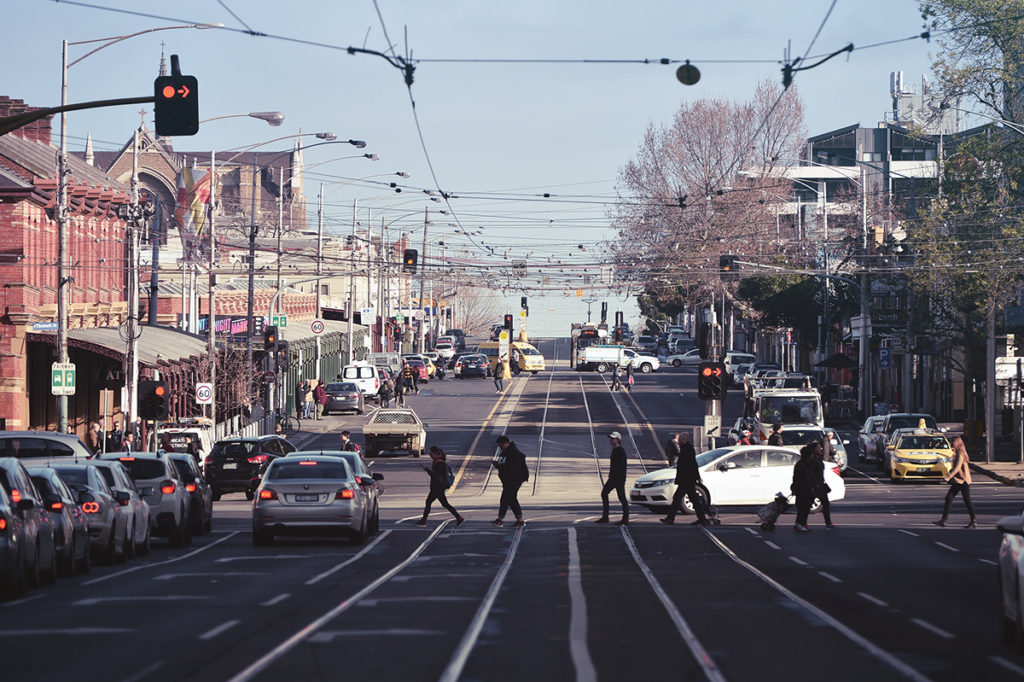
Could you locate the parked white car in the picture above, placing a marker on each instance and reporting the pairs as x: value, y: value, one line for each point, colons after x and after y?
x: 737, y: 475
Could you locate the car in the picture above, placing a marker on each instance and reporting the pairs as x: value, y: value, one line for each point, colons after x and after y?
x: 365, y: 376
x: 1011, y: 572
x: 898, y: 420
x: 445, y: 348
x: 918, y: 454
x: 344, y: 396
x: 428, y: 364
x: 120, y: 481
x: 317, y: 494
x: 751, y: 369
x: 471, y: 365
x: 645, y: 363
x: 201, y: 433
x: 161, y: 486
x: 394, y: 429
x: 460, y: 339
x: 40, y: 531
x: 647, y: 343
x: 420, y: 367
x: 690, y: 358
x: 866, y: 442
x: 108, y: 524
x: 735, y: 357
x: 369, y: 482
x: 455, y: 358
x: 798, y: 435
x: 70, y: 524
x: 200, y: 511
x: 734, y: 476
x: 43, y: 446
x: 14, y: 537
x: 681, y: 345
x: 237, y: 464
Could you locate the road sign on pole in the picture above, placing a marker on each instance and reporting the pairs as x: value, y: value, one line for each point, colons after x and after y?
x: 279, y: 321
x: 204, y: 394
x: 316, y: 326
x: 62, y: 378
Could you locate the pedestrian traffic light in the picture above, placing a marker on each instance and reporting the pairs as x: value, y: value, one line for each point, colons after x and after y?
x: 727, y: 268
x: 409, y: 257
x: 176, y: 106
x: 269, y: 337
x: 711, y: 381
x: 508, y: 322
x: 153, y: 396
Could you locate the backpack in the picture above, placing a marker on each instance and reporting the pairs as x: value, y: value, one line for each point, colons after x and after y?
x: 449, y: 479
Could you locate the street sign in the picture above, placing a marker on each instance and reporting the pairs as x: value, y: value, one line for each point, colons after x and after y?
x: 369, y: 312
x: 269, y: 377
x: 279, y: 321
x: 400, y: 318
x: 62, y: 378
x: 712, y: 424
x: 884, y: 358
x: 860, y: 326
x: 503, y: 338
x: 1006, y: 368
x: 204, y: 394
x: 418, y: 314
x: 316, y: 326
x: 45, y: 326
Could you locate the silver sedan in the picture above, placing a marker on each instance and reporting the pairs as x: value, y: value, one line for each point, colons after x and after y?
x: 316, y: 495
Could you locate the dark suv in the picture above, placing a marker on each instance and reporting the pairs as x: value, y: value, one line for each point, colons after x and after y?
x: 237, y: 464
x: 899, y: 420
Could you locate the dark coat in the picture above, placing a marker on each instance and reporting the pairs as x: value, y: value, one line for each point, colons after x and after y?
x: 672, y: 451
x: 805, y: 477
x: 438, y: 475
x: 686, y: 466
x: 320, y: 394
x: 617, y: 465
x: 513, y: 469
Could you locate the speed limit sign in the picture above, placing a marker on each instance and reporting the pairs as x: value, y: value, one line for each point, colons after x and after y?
x: 317, y: 326
x: 204, y: 394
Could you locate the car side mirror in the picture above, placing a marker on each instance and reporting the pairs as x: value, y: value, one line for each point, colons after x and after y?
x: 723, y: 467
x: 890, y: 447
x: 26, y: 504
x: 1012, y: 525
x: 378, y: 477
x: 122, y: 497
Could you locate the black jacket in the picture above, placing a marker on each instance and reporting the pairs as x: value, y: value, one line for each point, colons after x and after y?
x: 672, y: 450
x: 438, y: 476
x: 617, y: 466
x: 804, y: 477
x: 686, y: 467
x: 513, y: 469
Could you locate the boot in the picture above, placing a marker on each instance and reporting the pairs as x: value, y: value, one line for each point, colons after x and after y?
x: 603, y: 519
x: 972, y: 524
x: 941, y: 523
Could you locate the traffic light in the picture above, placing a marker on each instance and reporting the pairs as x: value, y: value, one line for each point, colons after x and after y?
x: 153, y: 396
x: 176, y: 108
x: 409, y: 257
x: 522, y: 303
x: 711, y: 381
x: 269, y: 337
x: 704, y: 340
x: 508, y: 322
x: 604, y: 311
x: 727, y: 268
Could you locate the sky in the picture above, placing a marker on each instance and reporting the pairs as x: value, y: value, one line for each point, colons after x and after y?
x: 496, y: 136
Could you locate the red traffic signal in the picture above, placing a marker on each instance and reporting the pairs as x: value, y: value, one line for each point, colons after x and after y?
x: 711, y: 378
x: 153, y: 400
x: 176, y: 103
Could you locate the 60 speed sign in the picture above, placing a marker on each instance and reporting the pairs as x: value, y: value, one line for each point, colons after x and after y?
x: 317, y: 326
x: 204, y: 394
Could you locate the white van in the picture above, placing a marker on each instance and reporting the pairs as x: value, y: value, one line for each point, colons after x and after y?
x: 364, y: 375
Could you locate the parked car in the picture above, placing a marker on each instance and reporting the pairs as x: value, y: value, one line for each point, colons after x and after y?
x: 70, y: 524
x: 107, y: 519
x: 471, y: 365
x: 120, y: 481
x: 735, y: 475
x: 40, y: 530
x: 317, y: 495
x: 344, y: 396
x: 237, y: 464
x: 163, y: 490
x: 200, y: 511
x: 43, y: 446
x: 866, y: 438
x: 369, y: 482
x: 690, y: 358
x: 1011, y: 572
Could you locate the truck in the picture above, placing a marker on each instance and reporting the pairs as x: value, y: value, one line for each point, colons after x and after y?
x: 600, y: 358
x: 582, y: 336
x: 767, y: 406
x: 394, y: 429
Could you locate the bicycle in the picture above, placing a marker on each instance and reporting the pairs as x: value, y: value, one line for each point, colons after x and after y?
x: 286, y: 425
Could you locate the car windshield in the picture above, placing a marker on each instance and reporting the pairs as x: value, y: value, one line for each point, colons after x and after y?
x: 529, y: 351
x: 142, y: 469
x: 912, y: 421
x: 182, y: 467
x: 74, y: 475
x: 282, y: 470
x: 359, y: 372
x: 343, y: 386
x: 242, y: 447
x: 107, y: 474
x: 801, y: 436
x: 789, y: 409
x: 711, y: 455
x: 923, y: 443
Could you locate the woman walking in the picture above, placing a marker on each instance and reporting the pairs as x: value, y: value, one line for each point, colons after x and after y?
x: 804, y: 480
x: 821, y: 489
x: 438, y: 472
x: 959, y: 479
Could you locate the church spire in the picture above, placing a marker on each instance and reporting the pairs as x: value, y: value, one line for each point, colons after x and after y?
x: 90, y: 157
x: 163, y: 61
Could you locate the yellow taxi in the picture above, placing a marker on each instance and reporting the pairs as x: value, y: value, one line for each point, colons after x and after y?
x: 918, y: 454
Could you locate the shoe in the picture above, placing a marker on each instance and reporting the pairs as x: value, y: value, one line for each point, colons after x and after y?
x: 459, y: 521
x: 520, y: 523
x: 700, y: 522
x: 667, y: 521
x: 830, y: 526
x: 421, y: 522
x: 622, y: 522
x: 801, y: 529
x: 603, y: 519
x: 498, y: 522
x: 972, y: 524
x: 941, y: 523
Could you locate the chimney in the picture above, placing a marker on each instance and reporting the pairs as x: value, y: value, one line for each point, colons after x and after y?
x: 38, y: 130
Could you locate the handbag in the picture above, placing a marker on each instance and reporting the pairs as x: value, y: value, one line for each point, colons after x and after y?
x: 630, y: 381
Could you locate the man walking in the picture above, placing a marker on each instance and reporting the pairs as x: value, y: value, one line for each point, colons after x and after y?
x: 616, y: 480
x: 300, y: 398
x: 347, y: 445
x: 687, y: 477
x: 672, y: 448
x: 513, y: 472
x: 319, y: 399
x: 499, y: 375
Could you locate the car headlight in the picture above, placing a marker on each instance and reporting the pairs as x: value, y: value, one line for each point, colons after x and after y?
x: 664, y: 481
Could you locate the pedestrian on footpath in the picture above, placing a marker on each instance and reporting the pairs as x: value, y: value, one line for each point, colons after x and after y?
x: 821, y: 489
x: 959, y: 479
x: 804, y: 482
x: 439, y: 484
x: 499, y: 374
x: 687, y: 478
x: 512, y: 472
x: 616, y: 480
x: 128, y: 443
x: 776, y: 437
x: 320, y: 398
x: 94, y: 439
x: 307, y: 400
x: 672, y: 448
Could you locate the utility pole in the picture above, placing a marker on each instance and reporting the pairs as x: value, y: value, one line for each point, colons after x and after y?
x: 63, y: 267
x: 250, y: 327
x: 423, y: 281
x: 132, y: 368
x: 211, y: 342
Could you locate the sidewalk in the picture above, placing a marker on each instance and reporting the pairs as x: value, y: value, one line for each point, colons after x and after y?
x: 1004, y: 466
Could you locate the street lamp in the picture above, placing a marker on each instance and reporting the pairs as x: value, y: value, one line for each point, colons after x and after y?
x: 63, y: 266
x: 274, y: 118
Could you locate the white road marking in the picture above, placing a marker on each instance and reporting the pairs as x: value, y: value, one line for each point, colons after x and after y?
x: 943, y: 545
x: 1012, y: 667
x: 540, y: 438
x: 907, y: 532
x: 434, y: 576
x: 874, y: 600
x: 707, y: 663
x: 145, y: 672
x: 172, y: 576
x: 850, y: 634
x: 989, y: 562
x: 453, y: 671
x: 280, y: 557
x: 163, y: 563
x: 325, y: 636
x: 751, y: 531
x: 315, y: 579
x: 772, y: 544
x: 24, y: 600
x: 581, y: 660
x: 64, y: 631
x: 829, y: 576
x: 403, y: 600
x: 226, y: 625
x: 92, y: 601
x: 797, y: 561
x: 931, y: 628
x: 276, y: 600
x: 585, y: 518
x: 261, y: 664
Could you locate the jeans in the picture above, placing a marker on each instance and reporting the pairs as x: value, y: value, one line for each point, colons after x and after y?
x: 965, y: 492
x: 620, y: 488
x: 510, y: 499
x: 440, y: 496
x: 498, y: 383
x: 307, y: 410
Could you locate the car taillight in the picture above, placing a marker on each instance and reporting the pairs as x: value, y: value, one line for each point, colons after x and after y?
x: 3, y: 524
x: 208, y: 462
x: 258, y: 459
x: 91, y: 507
x: 268, y: 494
x: 167, y: 487
x: 345, y: 494
x: 191, y: 487
x: 56, y: 506
x: 15, y: 495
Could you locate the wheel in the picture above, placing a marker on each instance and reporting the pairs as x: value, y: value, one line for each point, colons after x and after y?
x: 129, y: 544
x: 83, y: 565
x: 677, y: 363
x: 215, y: 494
x: 262, y: 538
x: 196, y: 521
x: 32, y: 572
x: 601, y: 368
x: 49, y: 576
x: 688, y: 503
x: 144, y: 548
x: 359, y: 412
x: 289, y: 426
x: 646, y: 368
x: 177, y: 538
x: 208, y: 524
x: 532, y: 372
x: 359, y: 537
x: 250, y: 494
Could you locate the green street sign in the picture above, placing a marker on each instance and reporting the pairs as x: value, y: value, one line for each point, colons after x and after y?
x: 62, y: 378
x: 279, y: 321
x: 400, y: 318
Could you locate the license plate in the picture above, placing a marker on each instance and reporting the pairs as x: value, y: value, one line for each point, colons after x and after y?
x: 923, y: 470
x: 307, y: 498
x: 230, y: 465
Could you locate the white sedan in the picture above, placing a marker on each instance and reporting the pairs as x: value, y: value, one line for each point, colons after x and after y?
x: 690, y: 358
x: 734, y: 476
x: 1011, y: 570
